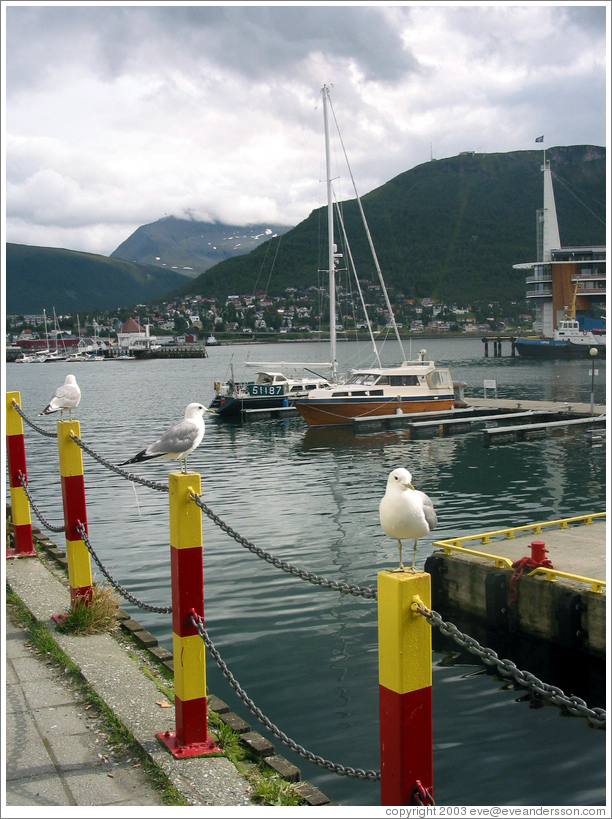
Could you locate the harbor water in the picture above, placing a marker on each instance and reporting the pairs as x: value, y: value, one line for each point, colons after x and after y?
x: 305, y: 655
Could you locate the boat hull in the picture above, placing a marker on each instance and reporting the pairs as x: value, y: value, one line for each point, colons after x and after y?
x: 551, y: 348
x: 232, y: 407
x: 330, y: 412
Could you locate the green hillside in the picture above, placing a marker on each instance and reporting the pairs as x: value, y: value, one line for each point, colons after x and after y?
x: 47, y: 277
x: 450, y: 229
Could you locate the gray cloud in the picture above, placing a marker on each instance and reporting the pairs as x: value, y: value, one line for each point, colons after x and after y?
x: 117, y: 114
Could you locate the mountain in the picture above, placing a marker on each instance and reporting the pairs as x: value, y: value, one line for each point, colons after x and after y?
x: 69, y: 280
x: 191, y: 247
x: 449, y: 229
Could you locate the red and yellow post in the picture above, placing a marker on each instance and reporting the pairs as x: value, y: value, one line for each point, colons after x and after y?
x: 73, y: 496
x: 187, y: 575
x: 16, y: 462
x: 404, y: 659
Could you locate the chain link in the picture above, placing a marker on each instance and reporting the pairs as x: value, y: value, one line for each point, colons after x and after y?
x: 335, y: 585
x: 37, y: 512
x: 574, y: 704
x: 160, y: 487
x: 122, y: 591
x: 42, y: 431
x: 341, y: 770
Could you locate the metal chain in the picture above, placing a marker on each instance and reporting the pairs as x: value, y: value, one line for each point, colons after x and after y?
x: 123, y: 592
x: 160, y: 487
x: 335, y: 585
x: 341, y: 770
x: 42, y: 431
x: 44, y: 522
x: 574, y: 704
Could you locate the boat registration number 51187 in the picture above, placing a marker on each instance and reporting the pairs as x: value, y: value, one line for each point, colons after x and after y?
x: 266, y: 389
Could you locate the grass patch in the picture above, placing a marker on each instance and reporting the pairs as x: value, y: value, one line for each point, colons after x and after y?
x: 95, y: 617
x: 271, y: 789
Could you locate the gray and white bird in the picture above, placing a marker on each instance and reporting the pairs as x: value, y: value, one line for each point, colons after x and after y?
x: 65, y: 398
x: 405, y: 512
x: 179, y: 441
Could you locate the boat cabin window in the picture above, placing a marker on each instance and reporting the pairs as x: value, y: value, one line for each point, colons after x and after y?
x: 404, y: 380
x: 382, y: 381
x: 440, y: 378
x: 362, y: 378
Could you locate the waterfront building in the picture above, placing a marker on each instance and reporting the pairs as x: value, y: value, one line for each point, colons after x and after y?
x: 563, y: 282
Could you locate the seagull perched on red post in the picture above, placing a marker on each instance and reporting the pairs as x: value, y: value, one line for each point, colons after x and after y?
x: 405, y: 512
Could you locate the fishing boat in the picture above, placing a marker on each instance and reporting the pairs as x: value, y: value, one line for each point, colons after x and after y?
x: 410, y: 387
x: 269, y: 390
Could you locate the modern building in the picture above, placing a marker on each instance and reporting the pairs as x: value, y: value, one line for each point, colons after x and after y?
x: 564, y: 282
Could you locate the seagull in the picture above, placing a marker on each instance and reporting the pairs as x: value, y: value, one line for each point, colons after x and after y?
x: 179, y: 441
x: 65, y: 398
x: 405, y: 512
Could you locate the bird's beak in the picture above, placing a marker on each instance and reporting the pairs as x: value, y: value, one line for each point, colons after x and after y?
x: 212, y: 411
x: 410, y: 486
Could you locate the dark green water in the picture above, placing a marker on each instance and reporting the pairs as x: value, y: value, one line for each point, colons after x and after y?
x: 307, y: 656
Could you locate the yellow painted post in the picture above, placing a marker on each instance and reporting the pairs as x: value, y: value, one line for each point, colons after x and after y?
x: 187, y: 575
x: 405, y: 679
x: 16, y: 462
x: 73, y: 495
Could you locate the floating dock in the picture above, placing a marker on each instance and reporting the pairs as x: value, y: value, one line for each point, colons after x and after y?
x: 563, y: 604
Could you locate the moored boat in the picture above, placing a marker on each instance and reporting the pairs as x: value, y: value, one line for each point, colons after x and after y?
x: 270, y: 390
x: 568, y: 342
x: 413, y: 386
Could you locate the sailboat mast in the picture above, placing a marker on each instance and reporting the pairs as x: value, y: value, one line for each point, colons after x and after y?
x: 331, y: 247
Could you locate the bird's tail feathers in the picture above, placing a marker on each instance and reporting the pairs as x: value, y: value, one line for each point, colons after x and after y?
x: 139, y: 458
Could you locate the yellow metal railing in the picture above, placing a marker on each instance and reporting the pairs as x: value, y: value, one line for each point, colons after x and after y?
x: 455, y: 545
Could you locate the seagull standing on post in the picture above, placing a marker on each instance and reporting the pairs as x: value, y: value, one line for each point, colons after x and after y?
x: 65, y: 398
x: 405, y: 512
x: 179, y: 441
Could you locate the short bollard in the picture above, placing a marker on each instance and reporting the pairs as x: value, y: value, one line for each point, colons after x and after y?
x: 404, y: 659
x: 16, y: 462
x: 191, y: 736
x: 73, y: 496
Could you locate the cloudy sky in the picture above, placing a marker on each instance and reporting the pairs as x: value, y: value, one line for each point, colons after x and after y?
x: 117, y: 115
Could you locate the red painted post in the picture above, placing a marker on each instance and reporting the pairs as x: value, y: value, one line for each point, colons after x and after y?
x: 16, y: 462
x: 405, y: 678
x: 73, y: 496
x: 187, y: 575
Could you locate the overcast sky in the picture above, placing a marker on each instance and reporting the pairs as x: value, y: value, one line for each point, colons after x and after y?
x: 117, y: 115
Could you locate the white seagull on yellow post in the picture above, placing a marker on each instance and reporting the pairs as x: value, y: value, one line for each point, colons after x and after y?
x: 405, y: 512
x: 65, y: 398
x: 179, y: 441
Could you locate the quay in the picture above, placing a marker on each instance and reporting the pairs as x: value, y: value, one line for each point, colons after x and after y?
x: 53, y: 756
x: 563, y: 603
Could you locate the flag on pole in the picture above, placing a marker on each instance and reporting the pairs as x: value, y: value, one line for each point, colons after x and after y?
x: 540, y: 139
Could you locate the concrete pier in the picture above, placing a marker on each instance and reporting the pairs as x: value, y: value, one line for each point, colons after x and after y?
x: 567, y: 611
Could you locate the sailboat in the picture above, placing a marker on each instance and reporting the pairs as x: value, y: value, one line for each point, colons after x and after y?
x: 411, y: 387
x: 56, y: 355
x: 40, y: 356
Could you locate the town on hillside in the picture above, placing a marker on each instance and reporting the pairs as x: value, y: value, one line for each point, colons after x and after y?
x: 298, y: 314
